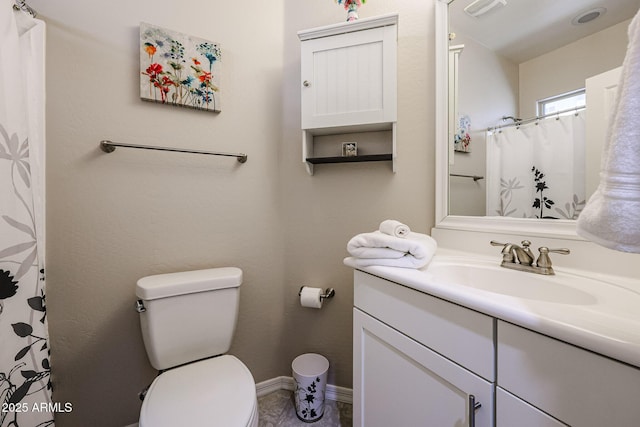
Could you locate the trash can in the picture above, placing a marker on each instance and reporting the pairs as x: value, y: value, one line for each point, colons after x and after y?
x: 310, y: 377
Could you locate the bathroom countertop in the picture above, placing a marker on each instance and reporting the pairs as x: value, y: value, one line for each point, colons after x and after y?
x: 605, y: 318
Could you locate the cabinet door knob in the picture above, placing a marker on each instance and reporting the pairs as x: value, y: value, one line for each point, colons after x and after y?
x: 306, y: 83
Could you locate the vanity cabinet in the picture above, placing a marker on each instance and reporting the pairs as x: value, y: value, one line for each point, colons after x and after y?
x: 408, y: 370
x: 571, y: 385
x: 420, y: 360
x: 348, y: 78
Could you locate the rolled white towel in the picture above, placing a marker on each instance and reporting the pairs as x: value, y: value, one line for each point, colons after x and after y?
x: 394, y: 228
x: 376, y: 248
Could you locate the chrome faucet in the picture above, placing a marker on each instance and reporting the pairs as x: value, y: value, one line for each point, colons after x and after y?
x: 520, y: 257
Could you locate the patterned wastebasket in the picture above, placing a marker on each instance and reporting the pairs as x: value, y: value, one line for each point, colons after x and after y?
x: 310, y: 377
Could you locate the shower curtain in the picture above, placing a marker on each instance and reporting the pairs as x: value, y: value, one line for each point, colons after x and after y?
x: 25, y: 387
x: 537, y: 170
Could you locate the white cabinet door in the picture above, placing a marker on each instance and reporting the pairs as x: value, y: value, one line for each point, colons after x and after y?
x: 511, y: 411
x: 349, y: 79
x: 576, y: 386
x: 399, y: 382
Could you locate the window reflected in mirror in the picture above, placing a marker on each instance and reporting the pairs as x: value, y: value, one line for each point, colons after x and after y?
x: 524, y: 141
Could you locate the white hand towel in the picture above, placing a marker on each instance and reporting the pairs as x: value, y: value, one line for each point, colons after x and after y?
x: 376, y: 248
x: 394, y: 228
x: 611, y: 218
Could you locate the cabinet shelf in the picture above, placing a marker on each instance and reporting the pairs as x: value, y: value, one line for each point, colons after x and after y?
x: 352, y: 159
x: 320, y: 152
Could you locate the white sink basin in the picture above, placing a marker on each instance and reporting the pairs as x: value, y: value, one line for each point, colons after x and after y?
x: 560, y: 288
x: 597, y: 295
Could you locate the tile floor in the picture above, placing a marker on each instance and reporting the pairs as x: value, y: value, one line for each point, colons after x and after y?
x: 278, y: 410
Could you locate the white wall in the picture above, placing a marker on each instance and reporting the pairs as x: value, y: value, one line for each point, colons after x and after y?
x: 118, y: 217
x: 488, y: 87
x: 565, y: 69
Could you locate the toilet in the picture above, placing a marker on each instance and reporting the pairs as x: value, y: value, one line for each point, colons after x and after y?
x: 188, y: 320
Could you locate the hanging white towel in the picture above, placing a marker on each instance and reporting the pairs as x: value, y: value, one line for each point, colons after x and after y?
x: 611, y: 218
x: 394, y: 228
x: 376, y: 248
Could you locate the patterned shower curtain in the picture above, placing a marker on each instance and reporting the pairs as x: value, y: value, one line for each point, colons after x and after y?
x: 537, y: 170
x: 25, y: 387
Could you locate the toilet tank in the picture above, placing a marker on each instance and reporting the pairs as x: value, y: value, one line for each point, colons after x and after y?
x: 189, y: 315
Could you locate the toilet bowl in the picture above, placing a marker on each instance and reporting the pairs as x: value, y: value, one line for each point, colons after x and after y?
x: 213, y: 392
x: 188, y: 320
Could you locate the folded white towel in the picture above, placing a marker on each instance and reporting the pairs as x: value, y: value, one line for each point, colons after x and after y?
x: 394, y: 228
x: 376, y: 248
x: 611, y: 218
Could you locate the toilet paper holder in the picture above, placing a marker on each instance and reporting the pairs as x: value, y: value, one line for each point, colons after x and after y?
x: 328, y: 293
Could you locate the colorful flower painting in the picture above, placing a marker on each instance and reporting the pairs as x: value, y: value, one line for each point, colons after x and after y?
x: 462, y: 138
x: 178, y: 69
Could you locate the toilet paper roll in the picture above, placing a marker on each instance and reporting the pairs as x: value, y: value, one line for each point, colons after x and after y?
x: 310, y: 297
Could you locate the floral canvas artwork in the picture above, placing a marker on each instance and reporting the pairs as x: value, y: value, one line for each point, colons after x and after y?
x: 462, y: 138
x: 178, y: 69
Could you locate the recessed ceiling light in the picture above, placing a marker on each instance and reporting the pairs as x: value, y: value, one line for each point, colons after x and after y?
x: 588, y: 16
x: 480, y: 7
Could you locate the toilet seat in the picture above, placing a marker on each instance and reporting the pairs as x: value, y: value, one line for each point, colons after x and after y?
x: 214, y: 392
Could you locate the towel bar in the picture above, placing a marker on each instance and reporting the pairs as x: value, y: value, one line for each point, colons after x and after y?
x: 474, y: 177
x: 110, y: 146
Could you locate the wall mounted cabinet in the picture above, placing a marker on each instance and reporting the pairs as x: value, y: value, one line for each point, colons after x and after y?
x: 349, y: 85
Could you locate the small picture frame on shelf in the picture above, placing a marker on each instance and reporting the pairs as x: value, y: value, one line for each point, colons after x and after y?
x: 349, y: 149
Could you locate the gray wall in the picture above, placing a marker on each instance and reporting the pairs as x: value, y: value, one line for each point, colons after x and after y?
x: 115, y: 218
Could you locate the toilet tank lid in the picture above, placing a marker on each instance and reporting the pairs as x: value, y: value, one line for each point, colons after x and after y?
x: 187, y: 282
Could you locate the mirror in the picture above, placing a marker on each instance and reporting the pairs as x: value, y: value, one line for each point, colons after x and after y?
x: 507, y: 159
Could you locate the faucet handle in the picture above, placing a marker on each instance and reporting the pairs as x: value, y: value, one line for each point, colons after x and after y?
x: 563, y: 251
x: 507, y: 256
x: 525, y: 243
x: 544, y: 261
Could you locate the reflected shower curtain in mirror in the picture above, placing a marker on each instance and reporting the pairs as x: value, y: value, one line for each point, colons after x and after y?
x: 25, y: 387
x: 537, y: 170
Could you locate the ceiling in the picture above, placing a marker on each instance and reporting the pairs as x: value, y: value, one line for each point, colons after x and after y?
x: 525, y: 29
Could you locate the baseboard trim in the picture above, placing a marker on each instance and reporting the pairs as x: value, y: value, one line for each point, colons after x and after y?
x: 333, y: 392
